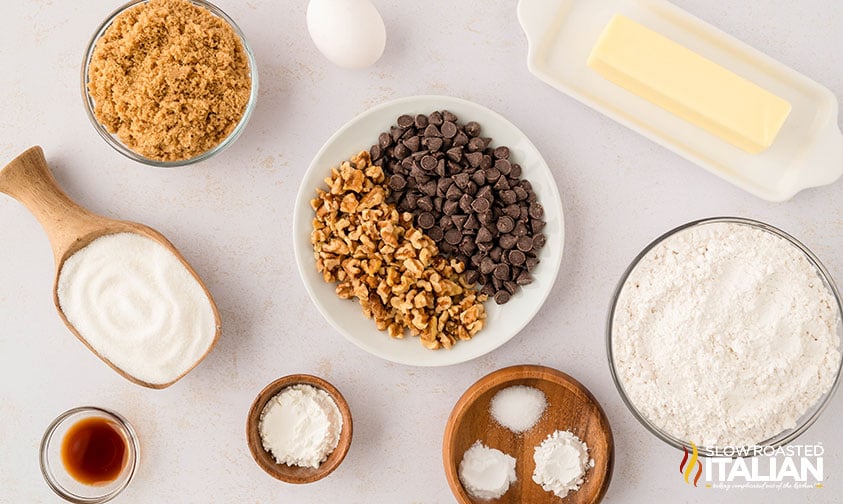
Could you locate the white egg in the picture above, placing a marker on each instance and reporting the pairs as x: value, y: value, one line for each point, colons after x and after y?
x: 350, y: 33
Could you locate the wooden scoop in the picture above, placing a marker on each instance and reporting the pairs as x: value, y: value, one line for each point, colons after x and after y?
x: 71, y: 227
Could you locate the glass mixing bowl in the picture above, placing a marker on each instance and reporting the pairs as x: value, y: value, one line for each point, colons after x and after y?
x: 112, y: 139
x: 779, y: 439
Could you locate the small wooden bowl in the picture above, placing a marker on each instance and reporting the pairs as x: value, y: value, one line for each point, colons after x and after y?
x: 570, y: 406
x: 284, y: 472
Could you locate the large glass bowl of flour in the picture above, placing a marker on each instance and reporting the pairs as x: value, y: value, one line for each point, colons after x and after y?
x: 725, y: 333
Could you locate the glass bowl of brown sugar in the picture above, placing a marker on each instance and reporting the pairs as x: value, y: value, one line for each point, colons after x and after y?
x: 169, y: 82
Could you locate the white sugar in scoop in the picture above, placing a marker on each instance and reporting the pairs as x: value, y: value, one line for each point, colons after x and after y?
x: 518, y: 408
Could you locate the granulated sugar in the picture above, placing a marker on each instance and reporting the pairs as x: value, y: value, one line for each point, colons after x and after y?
x: 518, y: 408
x: 725, y: 335
x: 137, y: 305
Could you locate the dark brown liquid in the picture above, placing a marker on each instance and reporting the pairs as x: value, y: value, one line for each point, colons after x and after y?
x: 93, y: 451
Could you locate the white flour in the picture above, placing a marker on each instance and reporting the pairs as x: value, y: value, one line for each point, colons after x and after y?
x: 725, y: 335
x: 301, y: 426
x: 561, y: 462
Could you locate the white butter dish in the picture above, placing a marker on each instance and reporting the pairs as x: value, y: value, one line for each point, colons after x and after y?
x: 807, y: 152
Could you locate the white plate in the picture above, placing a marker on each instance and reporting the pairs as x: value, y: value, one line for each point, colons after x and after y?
x: 503, y: 322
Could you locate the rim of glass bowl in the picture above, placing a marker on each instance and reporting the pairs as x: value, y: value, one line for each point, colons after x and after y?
x: 115, y: 142
x: 46, y: 468
x: 779, y: 439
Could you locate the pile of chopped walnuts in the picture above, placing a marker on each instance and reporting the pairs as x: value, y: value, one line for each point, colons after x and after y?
x: 394, y: 270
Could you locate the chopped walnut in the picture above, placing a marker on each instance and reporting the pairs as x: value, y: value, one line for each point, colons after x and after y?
x: 395, y: 271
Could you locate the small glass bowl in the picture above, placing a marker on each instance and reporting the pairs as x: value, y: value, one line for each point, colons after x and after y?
x: 779, y: 439
x: 112, y: 139
x: 54, y: 472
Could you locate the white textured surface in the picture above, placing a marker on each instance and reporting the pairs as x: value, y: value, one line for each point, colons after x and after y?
x: 231, y: 218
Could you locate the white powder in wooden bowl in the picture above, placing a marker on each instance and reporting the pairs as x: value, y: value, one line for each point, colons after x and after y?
x: 301, y: 426
x: 138, y: 306
x: 486, y: 473
x: 518, y: 408
x: 561, y: 462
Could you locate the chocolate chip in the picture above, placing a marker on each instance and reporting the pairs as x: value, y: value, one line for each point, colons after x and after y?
x: 433, y: 143
x: 516, y: 257
x: 484, y: 235
x: 453, y: 236
x: 539, y: 241
x: 429, y: 188
x: 413, y: 143
x: 524, y: 278
x: 432, y: 131
x: 447, y: 115
x: 478, y: 177
x: 397, y: 182
x: 405, y: 121
x: 532, y: 262
x: 503, y: 166
x: 502, y: 297
x: 461, y: 180
x: 459, y: 220
x: 467, y: 246
x: 401, y: 151
x: 428, y: 162
x: 475, y: 145
x: 502, y: 152
x: 496, y: 254
x: 536, y: 210
x: 505, y: 224
x: 421, y: 122
x: 453, y: 193
x: 474, y: 159
x: 426, y: 220
x: 435, y: 118
x: 460, y: 139
x: 520, y: 229
x: 472, y: 128
x: 508, y: 241
x: 511, y: 287
x: 465, y: 202
x: 472, y: 223
x: 501, y: 271
x: 471, y: 276
x: 454, y: 154
x: 425, y: 203
x: 436, y: 234
x: 487, y: 266
x: 525, y: 244
x: 480, y: 205
x: 450, y: 206
x: 488, y: 290
x: 384, y: 140
x: 516, y: 171
x: 449, y: 129
x: 492, y: 174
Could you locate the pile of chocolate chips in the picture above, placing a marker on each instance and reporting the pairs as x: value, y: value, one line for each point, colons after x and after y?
x: 465, y: 195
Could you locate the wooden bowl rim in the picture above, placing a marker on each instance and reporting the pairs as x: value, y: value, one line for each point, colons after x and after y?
x: 501, y: 377
x: 284, y: 472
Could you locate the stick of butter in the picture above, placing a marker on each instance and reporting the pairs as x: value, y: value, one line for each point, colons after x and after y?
x: 688, y: 85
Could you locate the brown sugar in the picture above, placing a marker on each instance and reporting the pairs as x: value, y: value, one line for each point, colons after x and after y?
x: 170, y: 79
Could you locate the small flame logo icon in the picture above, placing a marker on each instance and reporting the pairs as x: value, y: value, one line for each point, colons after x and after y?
x: 686, y: 470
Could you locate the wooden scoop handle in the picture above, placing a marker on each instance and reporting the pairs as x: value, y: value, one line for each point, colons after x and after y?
x: 28, y: 179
